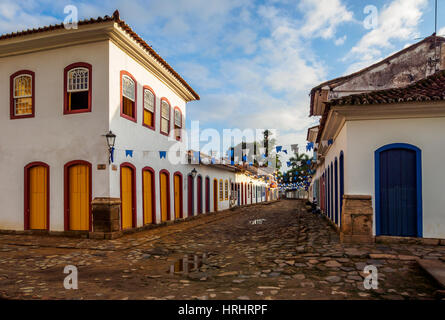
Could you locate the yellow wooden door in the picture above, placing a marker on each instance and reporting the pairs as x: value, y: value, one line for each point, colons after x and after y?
x: 127, y: 198
x: 164, y: 197
x: 177, y: 197
x: 148, y: 197
x: 79, y: 197
x: 38, y: 196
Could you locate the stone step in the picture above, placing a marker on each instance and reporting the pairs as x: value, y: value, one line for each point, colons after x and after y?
x: 435, y: 269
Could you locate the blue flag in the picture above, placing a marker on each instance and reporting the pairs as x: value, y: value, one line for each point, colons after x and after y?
x: 112, y: 154
x: 285, y: 151
x: 129, y: 153
x: 278, y: 148
x: 162, y: 154
x: 330, y: 141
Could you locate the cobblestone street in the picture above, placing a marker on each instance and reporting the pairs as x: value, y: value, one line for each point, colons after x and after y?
x: 266, y: 251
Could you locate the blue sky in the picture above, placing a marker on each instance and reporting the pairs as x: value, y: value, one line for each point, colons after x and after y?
x: 253, y: 62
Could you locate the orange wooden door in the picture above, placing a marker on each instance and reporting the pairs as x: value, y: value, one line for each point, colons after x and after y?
x: 127, y: 198
x: 38, y: 198
x: 79, y: 197
x: 215, y: 195
x: 164, y: 197
x: 177, y: 197
x: 148, y: 196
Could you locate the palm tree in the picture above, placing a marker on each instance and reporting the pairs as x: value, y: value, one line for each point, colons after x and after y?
x: 299, y: 167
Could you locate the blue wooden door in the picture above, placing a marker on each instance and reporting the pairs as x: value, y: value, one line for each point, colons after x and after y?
x: 398, y: 192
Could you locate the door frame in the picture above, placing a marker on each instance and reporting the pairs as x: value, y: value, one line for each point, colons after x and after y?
x: 67, y: 193
x: 190, y: 195
x: 153, y: 195
x: 199, y: 194
x: 169, y: 218
x: 215, y: 195
x: 207, y: 186
x: 342, y: 181
x: 27, y: 212
x: 133, y: 191
x: 181, y: 209
x: 418, y: 183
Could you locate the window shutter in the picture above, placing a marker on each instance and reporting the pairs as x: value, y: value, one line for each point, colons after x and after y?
x: 165, y: 110
x: 149, y: 100
x: 178, y: 120
x: 78, y: 80
x: 23, y: 86
x: 128, y: 87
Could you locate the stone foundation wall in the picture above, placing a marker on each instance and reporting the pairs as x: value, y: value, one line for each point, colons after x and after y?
x: 357, y: 219
x: 106, y: 218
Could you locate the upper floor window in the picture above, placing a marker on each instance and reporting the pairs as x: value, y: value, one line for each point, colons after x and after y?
x: 178, y: 123
x: 165, y: 116
x: 149, y: 108
x: 77, y: 86
x: 22, y: 94
x: 128, y: 96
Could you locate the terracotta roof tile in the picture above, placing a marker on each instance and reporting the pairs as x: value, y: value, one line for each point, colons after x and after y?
x: 115, y: 17
x: 337, y: 81
x: 431, y: 88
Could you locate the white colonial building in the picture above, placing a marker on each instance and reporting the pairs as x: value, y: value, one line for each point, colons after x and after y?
x: 379, y: 152
x: 62, y: 91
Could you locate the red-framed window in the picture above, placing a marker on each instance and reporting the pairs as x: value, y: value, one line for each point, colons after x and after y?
x: 77, y: 88
x: 178, y: 123
x: 128, y: 96
x: 22, y: 94
x: 165, y: 116
x: 149, y: 109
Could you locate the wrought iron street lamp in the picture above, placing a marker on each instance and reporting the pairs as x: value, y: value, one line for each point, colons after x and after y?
x: 111, y: 138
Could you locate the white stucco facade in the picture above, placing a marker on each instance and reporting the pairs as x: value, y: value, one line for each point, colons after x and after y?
x: 56, y: 139
x: 359, y: 139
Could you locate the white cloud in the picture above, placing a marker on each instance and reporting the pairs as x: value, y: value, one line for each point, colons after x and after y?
x: 340, y: 41
x: 397, y: 21
x: 322, y: 17
x: 18, y: 17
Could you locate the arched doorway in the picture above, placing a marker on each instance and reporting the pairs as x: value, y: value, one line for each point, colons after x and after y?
x: 242, y: 193
x: 336, y: 190
x: 190, y: 195
x: 207, y: 194
x: 78, y: 195
x: 215, y: 195
x: 37, y: 196
x: 148, y: 195
x: 398, y: 194
x: 164, y: 177
x: 178, y: 195
x: 128, y: 196
x: 342, y: 181
x: 199, y: 181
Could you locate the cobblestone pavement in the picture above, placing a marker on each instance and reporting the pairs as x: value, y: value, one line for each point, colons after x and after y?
x: 266, y: 251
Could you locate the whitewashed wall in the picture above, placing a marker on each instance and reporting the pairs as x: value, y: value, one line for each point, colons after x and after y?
x: 364, y: 137
x: 50, y: 136
x: 134, y: 136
